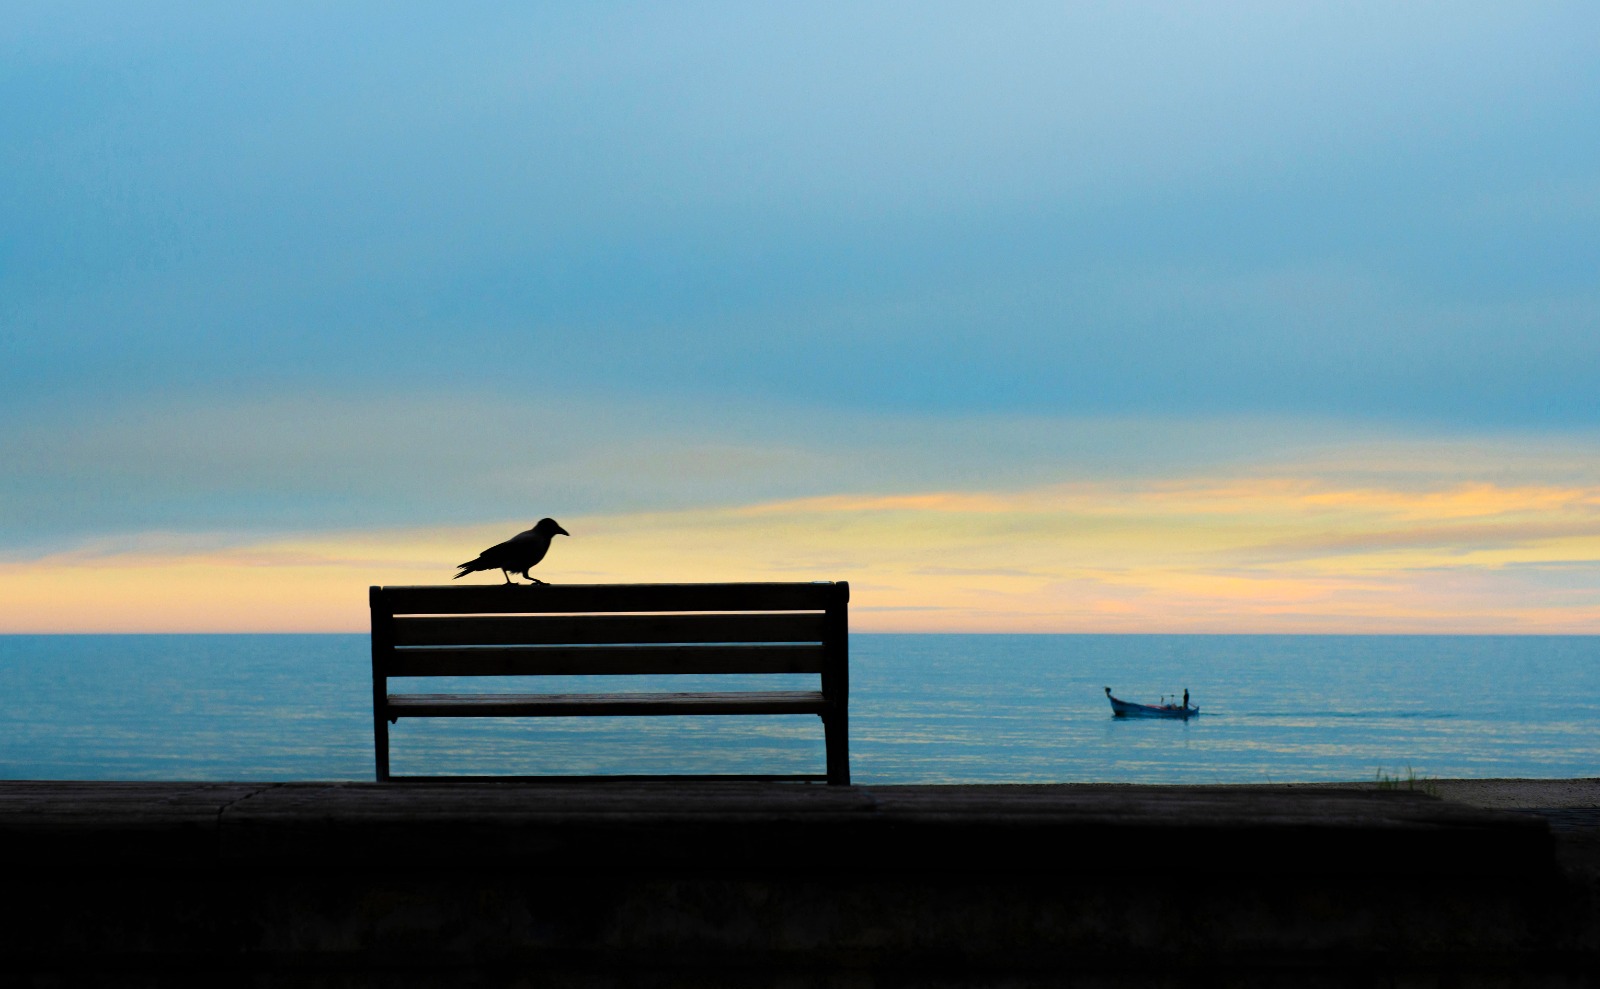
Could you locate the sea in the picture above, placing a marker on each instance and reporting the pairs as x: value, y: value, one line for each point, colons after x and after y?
x: 923, y: 709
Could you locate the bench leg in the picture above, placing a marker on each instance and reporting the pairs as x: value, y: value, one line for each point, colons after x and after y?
x: 380, y: 732
x: 836, y: 735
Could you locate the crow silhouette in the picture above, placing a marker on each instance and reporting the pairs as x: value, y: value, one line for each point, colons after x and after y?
x: 517, y: 554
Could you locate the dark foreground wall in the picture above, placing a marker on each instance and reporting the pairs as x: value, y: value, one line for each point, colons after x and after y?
x: 778, y: 885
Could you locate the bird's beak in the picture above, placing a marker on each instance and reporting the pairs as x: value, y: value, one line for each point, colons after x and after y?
x: 561, y: 532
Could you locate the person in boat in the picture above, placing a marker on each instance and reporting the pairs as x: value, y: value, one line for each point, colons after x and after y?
x: 1186, y: 698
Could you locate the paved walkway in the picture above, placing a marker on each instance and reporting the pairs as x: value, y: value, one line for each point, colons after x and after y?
x: 599, y: 885
x: 1501, y: 794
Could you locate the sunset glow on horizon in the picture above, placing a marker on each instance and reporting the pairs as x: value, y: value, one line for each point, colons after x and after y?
x: 1230, y: 555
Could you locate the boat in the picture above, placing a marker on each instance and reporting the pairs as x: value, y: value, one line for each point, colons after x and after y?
x: 1128, y: 709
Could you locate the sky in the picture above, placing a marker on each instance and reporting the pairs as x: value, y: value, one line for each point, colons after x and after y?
x: 1036, y: 317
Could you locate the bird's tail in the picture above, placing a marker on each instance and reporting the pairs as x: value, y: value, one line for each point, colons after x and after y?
x: 466, y: 568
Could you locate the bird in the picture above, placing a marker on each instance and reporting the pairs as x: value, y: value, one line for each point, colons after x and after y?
x: 517, y: 554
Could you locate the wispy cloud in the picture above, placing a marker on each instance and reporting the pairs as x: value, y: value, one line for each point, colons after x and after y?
x: 1198, y: 555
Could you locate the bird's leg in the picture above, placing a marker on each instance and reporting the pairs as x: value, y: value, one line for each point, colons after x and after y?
x: 506, y: 574
x: 530, y: 578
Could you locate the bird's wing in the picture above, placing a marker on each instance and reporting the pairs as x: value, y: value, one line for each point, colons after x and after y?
x: 531, y: 547
x: 520, y: 551
x: 487, y: 558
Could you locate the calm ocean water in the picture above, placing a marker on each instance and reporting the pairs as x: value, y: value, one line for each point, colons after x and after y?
x: 924, y: 709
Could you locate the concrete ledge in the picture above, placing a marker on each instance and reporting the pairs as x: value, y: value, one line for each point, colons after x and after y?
x: 753, y: 884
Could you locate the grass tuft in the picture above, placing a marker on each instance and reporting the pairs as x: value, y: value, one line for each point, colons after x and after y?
x: 1410, y: 782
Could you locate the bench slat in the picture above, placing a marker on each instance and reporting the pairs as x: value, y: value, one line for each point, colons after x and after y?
x: 563, y: 705
x: 505, y: 630
x: 584, y: 660
x: 559, y: 598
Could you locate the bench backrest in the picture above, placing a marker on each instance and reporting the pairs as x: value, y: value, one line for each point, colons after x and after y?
x: 584, y: 629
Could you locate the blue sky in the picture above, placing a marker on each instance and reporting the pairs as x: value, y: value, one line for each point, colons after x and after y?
x: 289, y: 268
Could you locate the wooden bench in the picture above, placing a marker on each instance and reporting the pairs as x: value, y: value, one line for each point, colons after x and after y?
x: 583, y: 629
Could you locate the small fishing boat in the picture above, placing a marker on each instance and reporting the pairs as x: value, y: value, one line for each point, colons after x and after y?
x: 1128, y: 709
